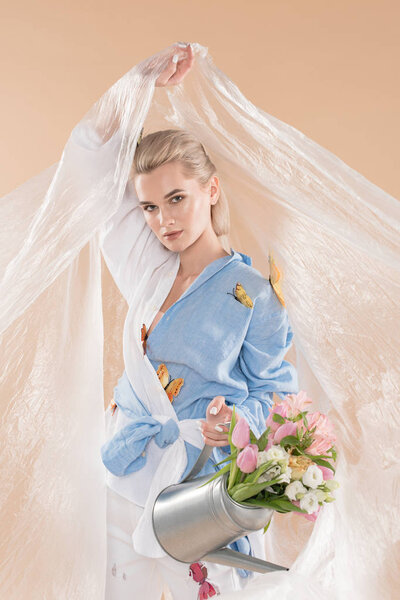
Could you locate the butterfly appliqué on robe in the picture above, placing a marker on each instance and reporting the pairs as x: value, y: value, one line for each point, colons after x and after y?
x: 239, y: 293
x: 113, y: 406
x: 199, y: 572
x: 172, y: 387
x: 275, y: 278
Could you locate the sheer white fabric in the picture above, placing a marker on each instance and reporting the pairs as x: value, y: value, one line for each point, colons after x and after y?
x: 335, y: 237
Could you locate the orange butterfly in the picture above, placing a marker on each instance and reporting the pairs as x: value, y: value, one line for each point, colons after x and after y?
x: 113, y: 406
x: 275, y: 278
x: 172, y: 387
x: 143, y: 336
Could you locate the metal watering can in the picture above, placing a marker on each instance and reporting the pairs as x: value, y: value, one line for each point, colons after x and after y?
x: 193, y: 523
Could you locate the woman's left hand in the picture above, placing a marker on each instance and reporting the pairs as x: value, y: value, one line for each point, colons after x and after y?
x: 213, y: 430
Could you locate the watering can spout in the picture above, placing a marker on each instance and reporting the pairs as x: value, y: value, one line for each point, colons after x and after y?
x: 231, y: 558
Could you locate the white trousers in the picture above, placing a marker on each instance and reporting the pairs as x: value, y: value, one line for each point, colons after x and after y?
x: 131, y: 576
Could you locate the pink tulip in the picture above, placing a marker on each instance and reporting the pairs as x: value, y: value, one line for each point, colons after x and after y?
x: 241, y: 433
x: 247, y: 458
x: 326, y: 472
x: 288, y: 428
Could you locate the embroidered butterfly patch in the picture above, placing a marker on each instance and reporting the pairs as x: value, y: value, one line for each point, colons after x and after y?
x: 239, y: 293
x: 173, y: 386
x: 275, y: 278
x: 199, y: 572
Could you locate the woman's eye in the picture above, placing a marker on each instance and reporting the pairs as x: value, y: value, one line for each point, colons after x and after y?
x: 151, y: 206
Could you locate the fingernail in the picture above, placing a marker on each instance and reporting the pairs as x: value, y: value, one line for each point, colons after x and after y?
x: 182, y: 44
x: 218, y: 428
x: 175, y: 58
x: 214, y: 410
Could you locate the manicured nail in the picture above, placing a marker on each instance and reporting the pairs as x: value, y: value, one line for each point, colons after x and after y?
x: 182, y: 44
x: 214, y: 410
x: 218, y: 428
x: 175, y: 58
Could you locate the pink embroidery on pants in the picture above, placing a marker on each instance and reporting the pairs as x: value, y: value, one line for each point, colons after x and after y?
x: 199, y: 573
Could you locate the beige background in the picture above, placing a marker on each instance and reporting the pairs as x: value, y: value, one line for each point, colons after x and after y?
x: 330, y: 69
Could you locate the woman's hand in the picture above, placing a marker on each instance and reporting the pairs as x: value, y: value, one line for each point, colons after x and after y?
x: 213, y: 430
x: 176, y: 71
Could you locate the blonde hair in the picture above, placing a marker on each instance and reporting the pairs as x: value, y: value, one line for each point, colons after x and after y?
x: 167, y: 145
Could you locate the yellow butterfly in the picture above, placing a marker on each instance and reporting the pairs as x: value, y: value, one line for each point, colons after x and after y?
x: 239, y: 293
x: 275, y: 278
x: 172, y: 387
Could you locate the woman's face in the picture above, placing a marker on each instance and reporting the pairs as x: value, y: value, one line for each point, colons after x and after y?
x: 171, y: 202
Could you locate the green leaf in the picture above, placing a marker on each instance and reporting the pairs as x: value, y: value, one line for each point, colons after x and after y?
x: 267, y: 525
x: 292, y: 440
x: 249, y: 489
x: 297, y: 418
x: 263, y: 440
x: 217, y: 474
x: 228, y: 458
x: 280, y: 504
x: 252, y: 477
x: 233, y: 465
x: 321, y: 462
x: 253, y: 438
x: 278, y: 418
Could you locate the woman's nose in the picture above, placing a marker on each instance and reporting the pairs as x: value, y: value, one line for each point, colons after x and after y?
x: 165, y: 219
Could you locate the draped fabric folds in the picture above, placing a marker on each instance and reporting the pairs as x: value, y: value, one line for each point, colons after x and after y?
x: 335, y: 238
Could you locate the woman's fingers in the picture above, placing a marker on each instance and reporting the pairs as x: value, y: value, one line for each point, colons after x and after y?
x: 210, y: 442
x: 176, y: 71
x: 211, y: 434
x: 183, y: 65
x: 214, y: 407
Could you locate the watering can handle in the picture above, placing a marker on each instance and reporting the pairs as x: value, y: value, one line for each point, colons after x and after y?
x: 200, y: 462
x: 201, y: 459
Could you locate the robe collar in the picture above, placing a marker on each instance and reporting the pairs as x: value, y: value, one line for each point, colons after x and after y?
x: 212, y: 268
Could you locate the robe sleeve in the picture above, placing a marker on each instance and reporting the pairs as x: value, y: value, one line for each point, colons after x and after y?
x: 261, y: 359
x: 128, y: 245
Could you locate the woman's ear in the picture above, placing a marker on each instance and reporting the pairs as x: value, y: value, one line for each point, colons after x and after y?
x: 214, y: 189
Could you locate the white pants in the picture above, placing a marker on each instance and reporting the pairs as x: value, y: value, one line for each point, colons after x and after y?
x: 131, y: 576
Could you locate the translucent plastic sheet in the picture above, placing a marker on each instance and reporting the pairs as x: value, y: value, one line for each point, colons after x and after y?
x: 334, y: 236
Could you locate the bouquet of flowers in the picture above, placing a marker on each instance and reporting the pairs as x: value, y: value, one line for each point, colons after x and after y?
x: 290, y: 466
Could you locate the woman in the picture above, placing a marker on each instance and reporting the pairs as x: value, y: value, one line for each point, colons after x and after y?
x: 215, y: 336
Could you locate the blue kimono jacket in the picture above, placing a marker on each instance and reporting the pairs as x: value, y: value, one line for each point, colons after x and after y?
x: 218, y: 346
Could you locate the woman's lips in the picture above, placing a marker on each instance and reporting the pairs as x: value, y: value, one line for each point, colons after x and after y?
x: 173, y: 236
